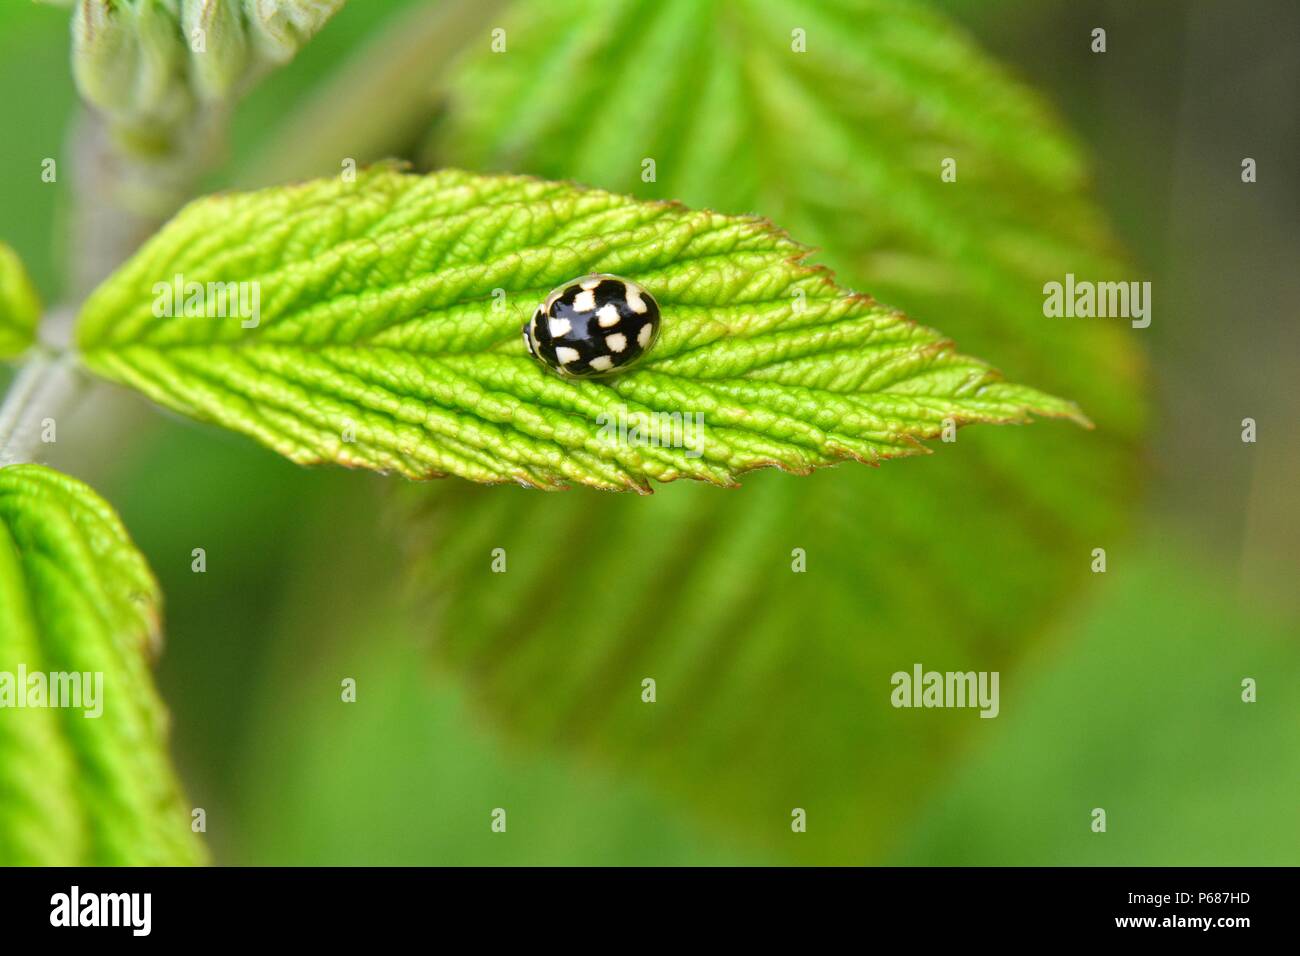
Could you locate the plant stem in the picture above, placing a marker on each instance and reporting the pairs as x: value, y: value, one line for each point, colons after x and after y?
x: 122, y: 197
x: 119, y: 200
x: 47, y: 386
x: 380, y: 100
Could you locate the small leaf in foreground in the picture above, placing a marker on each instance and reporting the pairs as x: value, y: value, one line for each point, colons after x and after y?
x: 376, y: 324
x: 20, y: 305
x: 88, y: 784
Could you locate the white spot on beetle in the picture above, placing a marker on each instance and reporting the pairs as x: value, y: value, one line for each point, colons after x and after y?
x: 560, y: 328
x: 607, y: 315
x: 602, y: 363
x: 616, y: 342
x: 634, y: 301
x: 566, y: 355
x: 643, y: 337
x: 585, y: 301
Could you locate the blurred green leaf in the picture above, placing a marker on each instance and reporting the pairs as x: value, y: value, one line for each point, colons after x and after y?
x: 150, y: 64
x: 76, y: 787
x: 1139, y: 711
x: 773, y: 685
x: 218, y: 73
x: 408, y: 775
x: 20, y: 305
x: 129, y: 61
x: 385, y: 340
x: 279, y: 28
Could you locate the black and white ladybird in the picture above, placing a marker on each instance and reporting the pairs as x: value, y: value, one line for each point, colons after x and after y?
x: 593, y: 326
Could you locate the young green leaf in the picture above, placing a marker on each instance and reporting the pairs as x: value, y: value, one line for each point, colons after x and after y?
x: 20, y: 305
x: 89, y: 782
x: 376, y: 324
x: 148, y: 64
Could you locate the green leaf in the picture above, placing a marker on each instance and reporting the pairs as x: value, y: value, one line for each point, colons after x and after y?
x: 20, y: 305
x: 773, y: 685
x: 380, y: 321
x: 77, y: 598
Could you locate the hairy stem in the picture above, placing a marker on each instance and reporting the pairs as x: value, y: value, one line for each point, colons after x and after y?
x: 123, y: 196
x: 47, y: 386
x: 120, y: 200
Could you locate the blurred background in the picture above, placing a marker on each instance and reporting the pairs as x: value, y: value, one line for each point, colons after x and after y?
x: 1119, y: 690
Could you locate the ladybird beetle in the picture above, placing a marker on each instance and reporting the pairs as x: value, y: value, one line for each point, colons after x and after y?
x: 593, y: 326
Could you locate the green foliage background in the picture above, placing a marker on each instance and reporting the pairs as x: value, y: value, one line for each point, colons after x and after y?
x: 1118, y: 691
